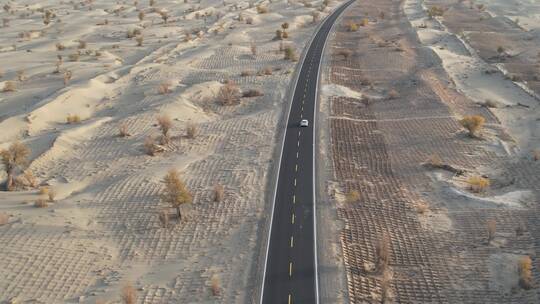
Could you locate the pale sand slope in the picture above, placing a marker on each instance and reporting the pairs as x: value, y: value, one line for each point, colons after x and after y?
x: 104, y: 230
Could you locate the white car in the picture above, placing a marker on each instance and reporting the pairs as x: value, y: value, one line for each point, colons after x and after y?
x: 304, y: 123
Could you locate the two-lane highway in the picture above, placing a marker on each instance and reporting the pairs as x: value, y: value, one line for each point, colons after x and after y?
x: 290, y: 274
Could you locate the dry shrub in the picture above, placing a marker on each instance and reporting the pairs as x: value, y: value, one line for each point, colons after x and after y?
x: 150, y: 146
x: 536, y: 155
x: 262, y: 9
x: 129, y: 294
x: 422, y: 208
x: 229, y: 94
x: 473, y: 124
x: 219, y: 193
x: 82, y: 44
x: 123, y: 130
x: 279, y: 35
x: 352, y: 27
x: 435, y: 161
x: 478, y: 184
x: 491, y: 229
x: 176, y: 192
x: 249, y: 20
x: 253, y: 48
x: 60, y: 46
x: 13, y: 158
x: 290, y: 54
x: 139, y: 40
x: 393, y: 94
x: 353, y: 196
x: 382, y: 252
x: 435, y: 11
x: 246, y: 73
x: 51, y: 195
x: 345, y: 53
x: 316, y: 16
x: 284, y: 35
x: 20, y: 75
x: 74, y: 57
x: 165, y: 125
x: 215, y: 286
x: 364, y: 22
x: 267, y: 71
x: 141, y: 16
x: 10, y: 86
x: 164, y: 88
x: 525, y: 273
x: 73, y: 119
x: 41, y: 203
x: 28, y: 179
x: 164, y: 218
x: 191, y: 130
x: 43, y: 190
x: 4, y: 218
x: 67, y: 77
x: 252, y: 93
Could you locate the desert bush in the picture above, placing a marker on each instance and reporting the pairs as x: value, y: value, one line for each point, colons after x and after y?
x: 152, y: 2
x: 44, y: 190
x: 253, y: 48
x: 246, y: 73
x: 139, y: 40
x: 478, y: 184
x: 267, y: 71
x: 285, y: 26
x: 150, y: 146
x: 345, y: 53
x: 284, y: 35
x: 20, y: 75
x: 536, y: 155
x: 164, y: 88
x: 473, y: 124
x: 133, y: 33
x: 219, y: 193
x: 316, y: 16
x: 165, y: 125
x: 215, y: 286
x: 500, y: 50
x: 249, y: 20
x: 489, y: 103
x: 123, y: 130
x: 382, y: 252
x: 13, y: 158
x: 82, y: 44
x: 51, y: 195
x: 364, y: 22
x: 393, y: 94
x: 353, y: 196
x: 229, y: 94
x: 525, y: 273
x: 67, y: 77
x: 60, y: 47
x: 73, y: 119
x: 435, y: 11
x: 9, y: 86
x: 262, y: 9
x: 176, y: 192
x: 28, y: 179
x: 74, y: 57
x: 252, y: 93
x: 191, y: 130
x: 4, y: 218
x: 491, y: 226
x: 41, y: 203
x: 421, y: 208
x: 141, y: 16
x: 129, y: 294
x: 279, y: 35
x: 5, y: 22
x: 290, y: 54
x: 352, y: 27
x: 164, y: 218
x: 164, y: 16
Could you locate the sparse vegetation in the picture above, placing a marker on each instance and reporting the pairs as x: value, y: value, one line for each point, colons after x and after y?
x: 478, y: 184
x: 491, y: 229
x: 67, y: 77
x: 346, y: 53
x: 473, y: 124
x: 164, y: 218
x: 9, y: 86
x: 353, y: 196
x: 191, y: 130
x: 51, y: 195
x: 165, y: 125
x: 536, y: 155
x: 229, y: 94
x: 525, y: 272
x: 73, y: 119
x: 74, y: 57
x: 13, y: 159
x: 364, y: 22
x: 215, y: 285
x: 139, y: 40
x: 219, y: 193
x: 150, y: 146
x: 129, y: 294
x: 82, y: 44
x: 252, y: 93
x: 435, y: 11
x: 262, y: 9
x: 176, y: 192
x: 164, y: 88
x: 141, y: 16
x: 123, y: 130
x: 352, y: 27
x: 290, y: 54
x: 41, y: 203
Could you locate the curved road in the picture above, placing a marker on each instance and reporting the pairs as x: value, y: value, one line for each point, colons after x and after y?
x: 290, y: 274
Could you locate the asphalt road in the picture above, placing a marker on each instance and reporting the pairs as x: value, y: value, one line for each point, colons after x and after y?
x: 291, y: 266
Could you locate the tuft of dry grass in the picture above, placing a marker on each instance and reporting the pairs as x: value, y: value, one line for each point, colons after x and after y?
x: 536, y: 155
x: 435, y: 11
x: 67, y: 77
x: 60, y: 46
x: 393, y: 94
x: 246, y: 73
x: 164, y: 218
x: 28, y: 179
x: 253, y: 48
x: 129, y: 294
x: 473, y: 124
x: 176, y: 193
x: 352, y: 27
x: 123, y: 130
x: 74, y: 57
x: 345, y: 53
x: 229, y: 94
x: 353, y: 196
x: 215, y: 285
x: 491, y: 226
x: 219, y: 193
x: 364, y: 22
x: 262, y: 9
x: 73, y: 119
x: 478, y: 184
x: 165, y: 124
x: 164, y: 88
x: 150, y: 146
x: 13, y: 158
x: 525, y: 273
x: 422, y: 208
x: 44, y: 190
x: 82, y: 44
x: 4, y: 218
x: 141, y: 16
x: 140, y: 40
x: 290, y: 54
x: 51, y: 195
x: 41, y: 203
x: 191, y: 130
x: 252, y: 93
x: 10, y: 86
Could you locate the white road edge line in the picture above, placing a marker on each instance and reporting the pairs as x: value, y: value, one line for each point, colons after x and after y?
x: 299, y: 68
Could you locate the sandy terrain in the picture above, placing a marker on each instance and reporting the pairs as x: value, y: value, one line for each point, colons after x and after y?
x: 103, y: 229
x: 393, y: 105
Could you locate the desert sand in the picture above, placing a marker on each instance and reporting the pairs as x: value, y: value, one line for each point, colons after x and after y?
x: 123, y: 64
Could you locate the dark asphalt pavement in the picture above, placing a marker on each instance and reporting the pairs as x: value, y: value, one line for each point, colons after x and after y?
x: 290, y: 275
